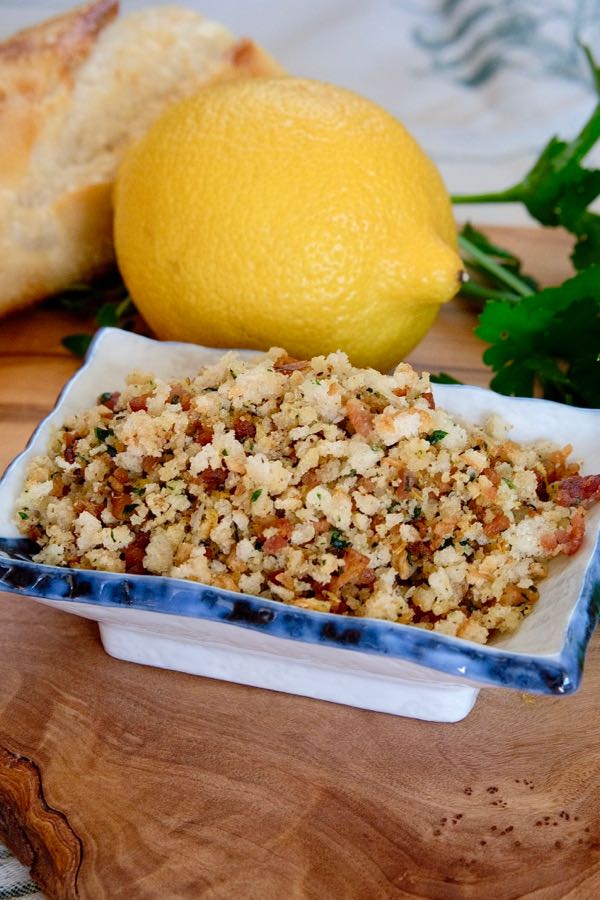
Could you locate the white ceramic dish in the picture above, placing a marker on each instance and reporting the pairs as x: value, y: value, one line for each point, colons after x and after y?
x: 367, y: 663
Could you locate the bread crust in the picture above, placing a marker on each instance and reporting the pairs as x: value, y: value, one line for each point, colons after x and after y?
x: 63, y: 84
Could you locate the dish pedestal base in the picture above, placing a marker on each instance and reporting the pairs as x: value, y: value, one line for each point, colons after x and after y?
x: 408, y: 690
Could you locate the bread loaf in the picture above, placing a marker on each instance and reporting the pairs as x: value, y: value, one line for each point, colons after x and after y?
x: 75, y: 91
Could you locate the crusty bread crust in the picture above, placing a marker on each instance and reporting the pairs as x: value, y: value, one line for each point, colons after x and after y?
x: 75, y: 91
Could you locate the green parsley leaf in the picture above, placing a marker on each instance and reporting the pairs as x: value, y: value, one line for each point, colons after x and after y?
x: 550, y: 338
x: 77, y: 344
x: 102, y: 434
x: 436, y: 436
x: 23, y: 515
x: 444, y: 378
x: 105, y: 301
x: 338, y: 541
x: 255, y: 495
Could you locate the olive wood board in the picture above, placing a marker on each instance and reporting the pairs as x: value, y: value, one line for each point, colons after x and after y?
x: 121, y: 781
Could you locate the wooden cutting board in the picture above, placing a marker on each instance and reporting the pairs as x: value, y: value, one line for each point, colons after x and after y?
x: 118, y: 781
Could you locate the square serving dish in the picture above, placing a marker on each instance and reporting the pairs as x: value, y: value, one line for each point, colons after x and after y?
x: 368, y: 663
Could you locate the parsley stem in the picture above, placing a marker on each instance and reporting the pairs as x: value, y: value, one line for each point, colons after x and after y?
x: 502, y: 274
x: 583, y: 143
x: 124, y: 308
x: 594, y: 69
x: 510, y: 195
x: 474, y: 289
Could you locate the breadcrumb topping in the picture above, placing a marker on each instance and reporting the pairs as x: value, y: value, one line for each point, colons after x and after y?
x: 314, y: 483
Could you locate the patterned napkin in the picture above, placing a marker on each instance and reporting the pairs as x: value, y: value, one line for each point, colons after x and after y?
x: 14, y: 879
x: 481, y: 85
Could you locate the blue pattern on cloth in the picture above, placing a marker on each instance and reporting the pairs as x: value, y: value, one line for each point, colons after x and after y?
x: 14, y: 879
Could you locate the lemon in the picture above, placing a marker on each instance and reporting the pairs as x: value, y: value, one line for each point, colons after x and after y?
x: 287, y: 212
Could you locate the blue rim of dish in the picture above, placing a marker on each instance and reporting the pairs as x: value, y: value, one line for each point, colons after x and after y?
x: 556, y: 674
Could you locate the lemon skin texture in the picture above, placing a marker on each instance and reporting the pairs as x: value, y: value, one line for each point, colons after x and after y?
x: 286, y: 212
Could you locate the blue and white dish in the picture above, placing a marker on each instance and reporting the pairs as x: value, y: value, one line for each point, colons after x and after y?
x: 367, y: 663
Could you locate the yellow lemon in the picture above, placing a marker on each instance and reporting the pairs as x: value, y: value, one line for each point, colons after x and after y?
x: 287, y: 212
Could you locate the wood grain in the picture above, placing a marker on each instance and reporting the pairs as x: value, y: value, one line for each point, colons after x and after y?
x: 41, y: 839
x: 183, y: 787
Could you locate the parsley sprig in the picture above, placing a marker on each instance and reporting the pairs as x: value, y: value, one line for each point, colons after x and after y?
x: 543, y: 341
x: 106, y: 299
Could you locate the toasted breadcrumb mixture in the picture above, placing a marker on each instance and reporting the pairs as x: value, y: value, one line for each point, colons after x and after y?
x: 314, y: 483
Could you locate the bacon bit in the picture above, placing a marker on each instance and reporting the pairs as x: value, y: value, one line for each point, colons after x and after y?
x: 138, y: 403
x: 359, y: 417
x: 443, y: 487
x: 118, y: 502
x: 203, y: 436
x: 556, y: 465
x: 577, y: 490
x: 514, y: 596
x: 201, y: 433
x: 118, y: 479
x: 492, y: 475
x: 58, y: 487
x: 356, y: 571
x: 260, y: 524
x: 367, y: 578
x: 34, y: 533
x: 421, y: 525
x: 288, y: 364
x: 310, y: 479
x: 87, y: 506
x: 149, y: 463
x: 275, y: 543
x: 213, y: 479
x: 419, y: 549
x: 541, y: 487
x: 339, y: 606
x: 428, y: 396
x: 180, y: 394
x: 69, y: 455
x: 499, y: 523
x: 406, y: 485
x: 400, y: 392
x: 135, y: 552
x: 278, y: 541
x: 444, y: 528
x: 244, y: 428
x: 285, y: 527
x: 321, y: 526
x: 567, y: 541
x: 111, y: 401
x: 477, y: 510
